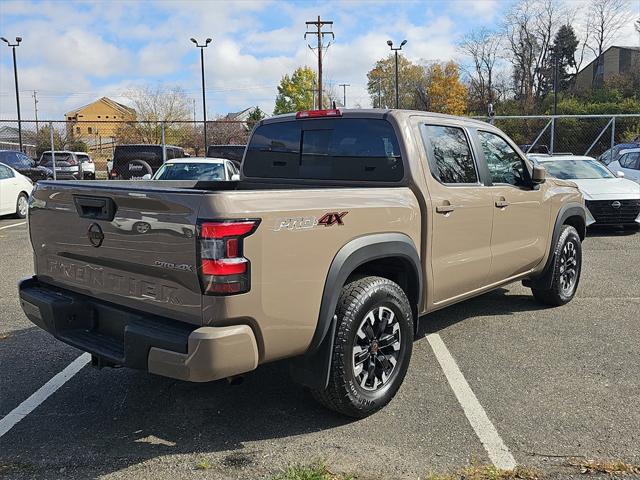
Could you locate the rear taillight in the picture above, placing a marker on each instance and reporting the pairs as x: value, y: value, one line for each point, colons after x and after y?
x: 223, y: 269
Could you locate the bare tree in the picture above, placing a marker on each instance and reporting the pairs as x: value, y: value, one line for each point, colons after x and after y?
x: 604, y: 20
x: 154, y: 107
x: 227, y: 132
x: 523, y: 51
x: 530, y: 28
x: 482, y: 47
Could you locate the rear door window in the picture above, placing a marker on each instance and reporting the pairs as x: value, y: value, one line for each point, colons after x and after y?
x: 630, y: 160
x: 325, y: 149
x: 450, y: 157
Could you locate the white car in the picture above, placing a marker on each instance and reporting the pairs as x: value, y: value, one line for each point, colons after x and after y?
x: 15, y: 189
x: 610, y: 200
x: 197, y: 168
x: 88, y: 167
x: 628, y: 163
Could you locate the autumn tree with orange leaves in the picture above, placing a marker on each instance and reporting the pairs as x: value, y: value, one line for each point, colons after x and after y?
x: 445, y: 91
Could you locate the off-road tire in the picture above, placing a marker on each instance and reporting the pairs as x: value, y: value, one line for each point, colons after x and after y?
x: 557, y: 295
x: 359, y: 297
x: 23, y: 197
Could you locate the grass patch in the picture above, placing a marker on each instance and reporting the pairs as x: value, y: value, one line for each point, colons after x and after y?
x: 315, y: 471
x: 608, y: 468
x: 203, y: 465
x: 489, y: 472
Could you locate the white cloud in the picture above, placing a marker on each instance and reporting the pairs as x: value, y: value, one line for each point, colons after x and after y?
x: 102, y: 48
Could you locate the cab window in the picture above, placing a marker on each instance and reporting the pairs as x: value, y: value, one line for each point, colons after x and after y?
x: 504, y: 164
x: 450, y: 156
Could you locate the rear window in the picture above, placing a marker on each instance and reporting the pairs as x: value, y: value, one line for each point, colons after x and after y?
x: 60, y: 157
x: 325, y: 149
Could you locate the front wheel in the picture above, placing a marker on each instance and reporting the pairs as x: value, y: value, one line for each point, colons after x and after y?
x: 372, y: 347
x: 22, y: 205
x: 565, y: 270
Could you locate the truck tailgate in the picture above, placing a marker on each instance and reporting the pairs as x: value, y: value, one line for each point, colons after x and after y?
x: 135, y: 247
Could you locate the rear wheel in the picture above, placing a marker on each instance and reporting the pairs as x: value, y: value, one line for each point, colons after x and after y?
x: 565, y: 271
x: 372, y: 347
x: 22, y: 205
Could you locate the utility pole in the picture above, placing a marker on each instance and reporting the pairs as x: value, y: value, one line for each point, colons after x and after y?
x: 35, y: 106
x: 344, y: 93
x: 319, y: 24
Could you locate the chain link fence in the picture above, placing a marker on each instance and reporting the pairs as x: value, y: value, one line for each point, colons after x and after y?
x: 591, y: 135
x: 147, y: 141
x: 143, y: 146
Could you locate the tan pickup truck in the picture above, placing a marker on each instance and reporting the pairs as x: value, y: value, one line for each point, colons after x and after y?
x: 345, y: 229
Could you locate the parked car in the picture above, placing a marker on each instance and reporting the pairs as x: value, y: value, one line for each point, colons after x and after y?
x: 132, y: 162
x: 230, y: 152
x: 345, y: 228
x: 68, y: 165
x: 197, y: 168
x: 15, y: 189
x: 26, y: 165
x: 610, y: 200
x: 628, y: 162
x: 613, y: 154
x: 88, y: 166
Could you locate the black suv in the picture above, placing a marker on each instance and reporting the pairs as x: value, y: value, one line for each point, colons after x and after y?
x: 25, y: 165
x: 228, y: 152
x: 132, y: 162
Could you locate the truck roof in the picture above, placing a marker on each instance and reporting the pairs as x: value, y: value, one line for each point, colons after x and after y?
x: 383, y: 113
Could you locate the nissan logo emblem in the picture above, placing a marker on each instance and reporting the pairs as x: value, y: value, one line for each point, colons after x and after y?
x: 616, y: 204
x: 95, y: 235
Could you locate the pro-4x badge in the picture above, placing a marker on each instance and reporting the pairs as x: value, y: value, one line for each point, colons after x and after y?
x: 305, y: 223
x: 330, y: 219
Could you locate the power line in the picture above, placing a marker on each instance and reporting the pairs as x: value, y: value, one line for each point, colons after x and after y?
x: 319, y: 33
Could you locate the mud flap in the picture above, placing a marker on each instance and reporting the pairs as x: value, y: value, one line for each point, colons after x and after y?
x: 312, y: 369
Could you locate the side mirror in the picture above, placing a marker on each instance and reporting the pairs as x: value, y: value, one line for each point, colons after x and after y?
x: 539, y: 175
x: 619, y: 174
x: 146, y: 176
x: 235, y: 177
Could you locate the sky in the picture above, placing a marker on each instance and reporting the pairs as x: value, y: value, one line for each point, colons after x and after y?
x: 75, y: 52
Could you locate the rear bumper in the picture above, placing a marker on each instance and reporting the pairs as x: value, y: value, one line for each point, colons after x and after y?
x: 115, y: 335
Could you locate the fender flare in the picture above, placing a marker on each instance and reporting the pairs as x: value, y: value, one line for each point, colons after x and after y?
x: 312, y: 368
x: 571, y: 209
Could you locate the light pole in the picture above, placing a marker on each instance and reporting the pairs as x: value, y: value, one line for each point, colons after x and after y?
x: 15, y: 76
x: 344, y: 93
x: 204, y: 101
x: 390, y: 43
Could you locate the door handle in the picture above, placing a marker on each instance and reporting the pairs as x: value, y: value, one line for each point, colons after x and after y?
x: 502, y: 203
x: 445, y: 208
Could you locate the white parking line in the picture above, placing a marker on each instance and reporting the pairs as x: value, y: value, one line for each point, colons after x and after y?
x: 44, y: 392
x: 486, y: 432
x: 12, y: 225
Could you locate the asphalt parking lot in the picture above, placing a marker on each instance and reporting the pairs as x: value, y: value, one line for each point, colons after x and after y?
x: 557, y: 384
